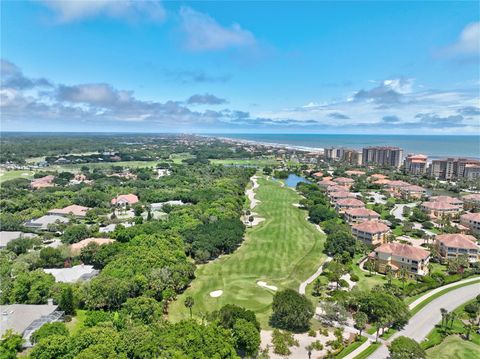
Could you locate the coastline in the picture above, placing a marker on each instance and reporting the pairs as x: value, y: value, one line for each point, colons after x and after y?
x: 235, y: 138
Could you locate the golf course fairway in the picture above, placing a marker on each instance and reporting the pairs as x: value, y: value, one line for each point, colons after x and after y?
x: 282, y: 251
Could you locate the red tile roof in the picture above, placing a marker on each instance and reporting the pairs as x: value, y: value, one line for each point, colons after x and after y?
x: 413, y: 188
x: 318, y: 174
x: 439, y: 206
x: 130, y: 198
x: 342, y: 194
x: 457, y: 240
x: 475, y: 197
x: 403, y: 250
x: 350, y: 202
x: 355, y: 173
x: 74, y: 209
x: 365, y: 212
x: 343, y: 180
x: 378, y: 176
x: 470, y: 217
x: 398, y: 184
x: 371, y: 227
x: 446, y: 199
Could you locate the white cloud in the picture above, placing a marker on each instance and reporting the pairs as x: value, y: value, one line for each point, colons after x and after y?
x: 468, y: 43
x: 203, y: 33
x: 74, y: 10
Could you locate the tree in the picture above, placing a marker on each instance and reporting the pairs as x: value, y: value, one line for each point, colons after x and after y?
x: 335, y: 271
x: 230, y: 313
x: 370, y: 266
x: 339, y: 242
x: 49, y: 329
x: 444, y: 313
x: 246, y: 336
x: 189, y: 302
x: 75, y: 233
x: 468, y: 327
x: 10, y: 344
x: 143, y: 309
x: 361, y: 320
x: 291, y: 311
x: 67, y: 303
x: 403, y: 274
x: 317, y: 287
x: 51, y: 257
x: 389, y: 273
x: 406, y: 348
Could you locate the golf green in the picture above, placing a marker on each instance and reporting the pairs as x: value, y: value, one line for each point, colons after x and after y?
x: 282, y: 251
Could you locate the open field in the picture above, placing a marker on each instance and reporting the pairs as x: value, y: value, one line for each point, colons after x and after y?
x: 454, y: 347
x: 282, y: 251
x: 76, y: 167
x: 10, y: 175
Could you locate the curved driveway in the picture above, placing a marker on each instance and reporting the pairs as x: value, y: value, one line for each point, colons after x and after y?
x: 425, y: 320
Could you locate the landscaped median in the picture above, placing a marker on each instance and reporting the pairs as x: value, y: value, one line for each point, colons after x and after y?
x: 420, y: 303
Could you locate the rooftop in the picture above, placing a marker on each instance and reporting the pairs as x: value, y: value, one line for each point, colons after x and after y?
x: 457, y: 240
x: 8, y: 236
x: 475, y: 197
x: 343, y: 180
x: 74, y: 209
x: 471, y: 217
x: 446, y: 199
x: 403, y: 250
x: 350, y: 202
x: 130, y: 198
x: 371, y: 227
x: 44, y: 221
x: 74, y: 274
x: 439, y: 206
x: 362, y: 212
x: 76, y: 247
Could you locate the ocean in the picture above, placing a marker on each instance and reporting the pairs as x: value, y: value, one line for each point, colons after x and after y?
x: 433, y: 146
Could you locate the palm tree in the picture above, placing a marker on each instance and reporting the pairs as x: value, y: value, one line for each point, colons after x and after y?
x: 189, y: 302
x: 389, y: 273
x: 403, y: 276
x: 468, y: 328
x: 452, y: 318
x: 444, y: 313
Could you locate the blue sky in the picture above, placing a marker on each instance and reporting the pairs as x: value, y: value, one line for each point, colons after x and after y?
x: 266, y: 67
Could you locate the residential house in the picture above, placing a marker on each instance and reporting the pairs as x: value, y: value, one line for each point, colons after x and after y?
x: 371, y: 232
x: 45, y: 222
x: 440, y: 209
x: 344, y: 182
x: 73, y: 210
x: 8, y: 236
x: 447, y: 199
x: 358, y: 215
x: 78, y: 273
x: 76, y: 248
x: 451, y: 246
x: 124, y: 200
x: 27, y: 318
x: 336, y: 196
x: 472, y: 221
x: 354, y: 173
x: 412, y: 192
x: 400, y: 256
x: 42, y: 182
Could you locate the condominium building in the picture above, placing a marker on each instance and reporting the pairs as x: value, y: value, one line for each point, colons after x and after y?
x: 471, y: 201
x: 344, y: 182
x: 400, y: 256
x: 439, y: 209
x: 382, y: 156
x: 472, y: 221
x: 371, y: 232
x: 347, y: 155
x: 412, y: 192
x: 358, y: 215
x: 450, y: 246
x: 347, y: 203
x: 452, y: 168
x: 337, y: 195
x: 416, y: 164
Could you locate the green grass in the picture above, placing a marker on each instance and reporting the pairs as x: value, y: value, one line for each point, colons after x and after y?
x: 369, y: 351
x: 179, y: 157
x: 366, y: 281
x: 454, y: 347
x: 10, y: 175
x: 77, y: 322
x: 76, y: 167
x: 439, y: 294
x: 347, y: 350
x: 283, y: 251
x: 249, y: 162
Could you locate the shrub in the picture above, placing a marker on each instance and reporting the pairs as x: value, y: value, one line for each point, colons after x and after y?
x: 312, y: 333
x: 354, y: 277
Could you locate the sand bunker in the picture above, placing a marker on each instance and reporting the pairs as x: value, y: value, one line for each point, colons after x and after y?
x: 251, y: 193
x: 216, y: 293
x: 265, y: 285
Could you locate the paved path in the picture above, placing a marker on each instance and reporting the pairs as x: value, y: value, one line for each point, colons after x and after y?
x: 425, y: 320
x: 251, y: 192
x: 314, y: 276
x: 397, y: 210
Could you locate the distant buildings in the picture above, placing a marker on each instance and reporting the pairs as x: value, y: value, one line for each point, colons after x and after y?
x: 382, y: 156
x: 397, y: 256
x: 416, y: 164
x: 451, y: 246
x: 346, y: 155
x: 454, y: 168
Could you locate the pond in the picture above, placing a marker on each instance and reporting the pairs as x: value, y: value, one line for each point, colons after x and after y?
x: 293, y: 180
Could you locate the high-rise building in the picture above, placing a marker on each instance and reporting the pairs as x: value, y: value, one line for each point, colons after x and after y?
x: 382, y: 156
x: 347, y: 155
x: 452, y: 168
x: 416, y: 164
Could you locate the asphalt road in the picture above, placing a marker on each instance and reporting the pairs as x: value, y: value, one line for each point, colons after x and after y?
x: 425, y: 320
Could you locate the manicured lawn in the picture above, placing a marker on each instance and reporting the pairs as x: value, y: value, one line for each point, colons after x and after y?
x: 366, y: 281
x: 10, y: 175
x: 454, y: 347
x: 350, y: 348
x: 179, y: 157
x: 283, y: 251
x: 128, y: 164
x: 77, y: 322
x: 367, y: 352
